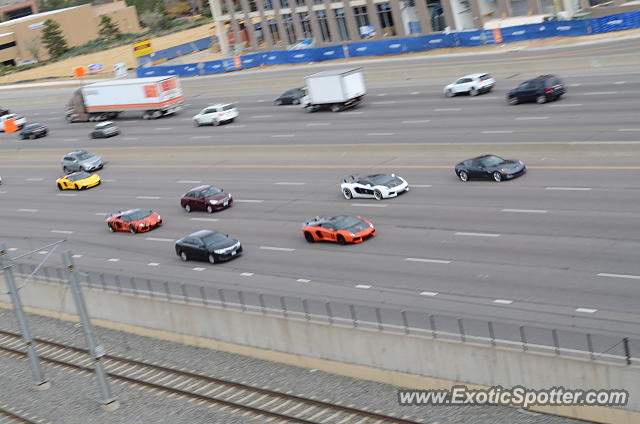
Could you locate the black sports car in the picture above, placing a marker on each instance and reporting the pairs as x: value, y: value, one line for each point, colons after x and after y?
x: 207, y: 245
x: 490, y: 167
x: 289, y: 97
x: 35, y: 130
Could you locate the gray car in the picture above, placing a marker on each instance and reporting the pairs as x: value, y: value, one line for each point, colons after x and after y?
x: 81, y: 161
x: 105, y: 129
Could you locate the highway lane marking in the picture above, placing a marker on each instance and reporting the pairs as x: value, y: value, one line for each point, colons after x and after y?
x: 27, y: 210
x: 419, y: 121
x: 368, y: 205
x: 43, y: 252
x: 318, y: 124
x: 206, y: 219
x: 67, y: 194
x: 163, y: 128
x: 113, y: 260
x: 575, y: 85
x: 260, y: 101
x: 379, y: 134
x: 188, y: 182
x: 586, y: 310
x: 153, y: 264
x: 101, y: 214
x: 503, y: 301
x: 420, y: 185
x: 158, y: 239
x: 430, y: 261
x: 34, y: 179
x: 288, y: 183
x: 131, y: 138
x: 351, y: 113
x: 428, y: 293
x: 363, y: 286
x: 12, y: 249
x: 62, y: 231
x: 477, y: 234
x: 448, y: 109
x: 78, y: 256
x: 568, y: 188
x: 531, y: 118
x: 281, y: 249
x: 247, y: 201
x: 382, y: 95
x: 525, y: 210
x: 234, y: 126
x: 497, y: 132
x: 567, y: 105
x: 149, y: 197
x: 631, y: 277
x: 198, y: 137
x: 198, y: 268
x: 386, y: 102
x: 628, y: 129
x: 620, y: 82
x: 282, y: 135
x: 303, y: 280
x: 599, y: 93
x: 247, y: 274
x: 414, y: 93
x: 261, y: 116
x: 71, y: 139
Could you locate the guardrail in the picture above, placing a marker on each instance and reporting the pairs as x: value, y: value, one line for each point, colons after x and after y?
x: 595, y: 347
x: 547, y: 29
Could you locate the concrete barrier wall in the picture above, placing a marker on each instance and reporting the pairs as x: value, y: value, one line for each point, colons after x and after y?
x: 403, y: 360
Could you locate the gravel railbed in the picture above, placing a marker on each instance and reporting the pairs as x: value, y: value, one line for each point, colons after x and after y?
x: 73, y: 397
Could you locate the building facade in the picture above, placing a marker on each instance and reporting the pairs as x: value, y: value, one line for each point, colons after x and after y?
x: 268, y: 24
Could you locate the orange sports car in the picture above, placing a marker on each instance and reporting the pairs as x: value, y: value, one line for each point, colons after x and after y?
x: 134, y: 221
x: 338, y: 229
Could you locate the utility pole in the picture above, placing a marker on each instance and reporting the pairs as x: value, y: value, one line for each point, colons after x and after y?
x: 109, y: 402
x: 39, y: 380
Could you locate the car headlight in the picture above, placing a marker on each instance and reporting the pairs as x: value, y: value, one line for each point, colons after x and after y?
x: 219, y: 251
x: 213, y: 202
x: 159, y: 218
x: 352, y: 234
x: 504, y: 170
x: 141, y: 224
x: 371, y: 225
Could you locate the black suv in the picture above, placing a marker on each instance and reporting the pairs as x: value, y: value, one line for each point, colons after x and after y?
x: 540, y: 90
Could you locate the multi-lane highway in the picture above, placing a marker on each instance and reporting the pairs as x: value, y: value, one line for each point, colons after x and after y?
x: 557, y: 247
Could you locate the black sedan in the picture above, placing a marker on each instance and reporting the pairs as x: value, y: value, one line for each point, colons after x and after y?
x: 32, y: 131
x: 490, y: 167
x: 541, y: 89
x: 207, y: 245
x: 289, y: 97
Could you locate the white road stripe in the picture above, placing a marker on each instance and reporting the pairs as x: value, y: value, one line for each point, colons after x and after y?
x: 428, y: 293
x: 620, y: 82
x: 43, y: 252
x: 282, y: 135
x: 153, y: 264
x: 158, y: 239
x: 288, y: 183
x: 569, y: 188
x: 503, y: 301
x: 420, y: 185
x: 419, y: 121
x: 497, y: 132
x: 363, y: 286
x: 247, y: 201
x: 477, y: 234
x: 631, y: 277
x: 70, y: 139
x: 200, y: 137
x: 628, y: 129
x: 188, y: 182
x: 34, y: 179
x: 260, y: 101
x: 205, y: 219
x: 382, y: 95
x: 303, y: 280
x: 567, y: 105
x: 318, y: 124
x: 599, y: 93
x: 27, y: 210
x: 109, y: 181
x: 530, y: 118
x: 377, y: 134
x: 163, y: 128
x: 414, y: 92
x: 586, y: 310
x: 368, y: 205
x: 525, y: 210
x: 282, y: 249
x: 355, y: 112
x: 148, y: 197
x: 234, y: 126
x: 77, y: 256
x: 67, y: 194
x: 247, y: 274
x: 101, y: 214
x: 386, y: 102
x: 113, y: 260
x: 448, y: 109
x: 62, y: 231
x: 431, y: 261
x: 198, y: 268
x: 575, y: 85
x: 12, y: 249
x: 135, y: 138
x: 261, y: 116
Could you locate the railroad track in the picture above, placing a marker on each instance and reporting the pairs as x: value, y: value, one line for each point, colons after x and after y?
x: 237, y: 397
x: 9, y: 415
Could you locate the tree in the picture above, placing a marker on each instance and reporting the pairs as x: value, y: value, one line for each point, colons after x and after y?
x: 108, y: 29
x: 53, y: 39
x: 33, y: 47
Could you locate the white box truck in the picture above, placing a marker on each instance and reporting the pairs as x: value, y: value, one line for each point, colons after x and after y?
x: 153, y: 96
x: 335, y: 90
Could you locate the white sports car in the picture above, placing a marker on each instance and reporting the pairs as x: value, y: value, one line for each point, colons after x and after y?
x: 472, y: 84
x: 376, y: 186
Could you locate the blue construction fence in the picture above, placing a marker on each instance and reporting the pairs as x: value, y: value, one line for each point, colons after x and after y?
x: 403, y: 45
x: 176, y: 51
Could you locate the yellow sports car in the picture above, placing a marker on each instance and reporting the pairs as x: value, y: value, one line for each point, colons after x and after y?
x: 78, y: 181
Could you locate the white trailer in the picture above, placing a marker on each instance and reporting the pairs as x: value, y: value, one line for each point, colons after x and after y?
x: 335, y: 90
x: 153, y: 96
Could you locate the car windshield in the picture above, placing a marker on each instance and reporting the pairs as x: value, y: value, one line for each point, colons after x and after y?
x: 485, y: 77
x: 110, y: 124
x: 492, y: 161
x: 213, y: 238
x: 211, y: 191
x: 136, y: 215
x: 345, y: 222
x: 78, y: 176
x: 32, y: 126
x: 84, y: 155
x: 381, y: 179
x: 228, y: 107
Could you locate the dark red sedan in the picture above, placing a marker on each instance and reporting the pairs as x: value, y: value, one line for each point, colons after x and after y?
x: 206, y: 198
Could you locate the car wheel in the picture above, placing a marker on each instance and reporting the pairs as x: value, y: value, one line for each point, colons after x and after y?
x: 295, y: 102
x: 464, y: 177
x: 75, y: 186
x: 347, y: 193
x: 513, y: 100
x: 277, y: 102
x: 497, y: 177
x: 309, y: 237
x: 32, y: 137
x: 449, y: 93
x: 377, y: 194
x: 341, y: 239
x: 541, y: 99
x: 183, y: 256
x: 133, y: 229
x: 215, y: 122
x: 473, y: 92
x: 60, y: 187
x: 65, y: 170
x: 210, y: 209
x: 212, y: 259
x: 111, y: 229
x: 336, y: 108
x: 156, y: 114
x: 187, y: 208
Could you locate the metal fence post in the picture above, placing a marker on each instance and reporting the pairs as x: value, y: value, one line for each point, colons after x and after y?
x: 405, y: 322
x: 132, y: 280
x: 379, y: 319
x: 203, y: 295
x: 118, y: 284
x: 183, y: 288
x: 46, y: 274
x: 262, y: 304
x: 461, y: 329
x: 354, y: 317
x: 104, y: 284
x: 221, y: 296
x: 59, y: 272
x: 556, y: 343
x: 283, y: 305
x: 88, y: 276
x: 150, y: 288
x: 242, y: 304
x: 327, y: 306
x: 305, y: 307
x: 590, y: 347
x: 627, y: 351
x: 166, y: 290
x: 523, y: 338
x: 491, y: 333
x: 432, y: 325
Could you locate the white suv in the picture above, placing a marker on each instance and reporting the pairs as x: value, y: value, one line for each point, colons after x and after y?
x: 216, y: 114
x: 472, y: 84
